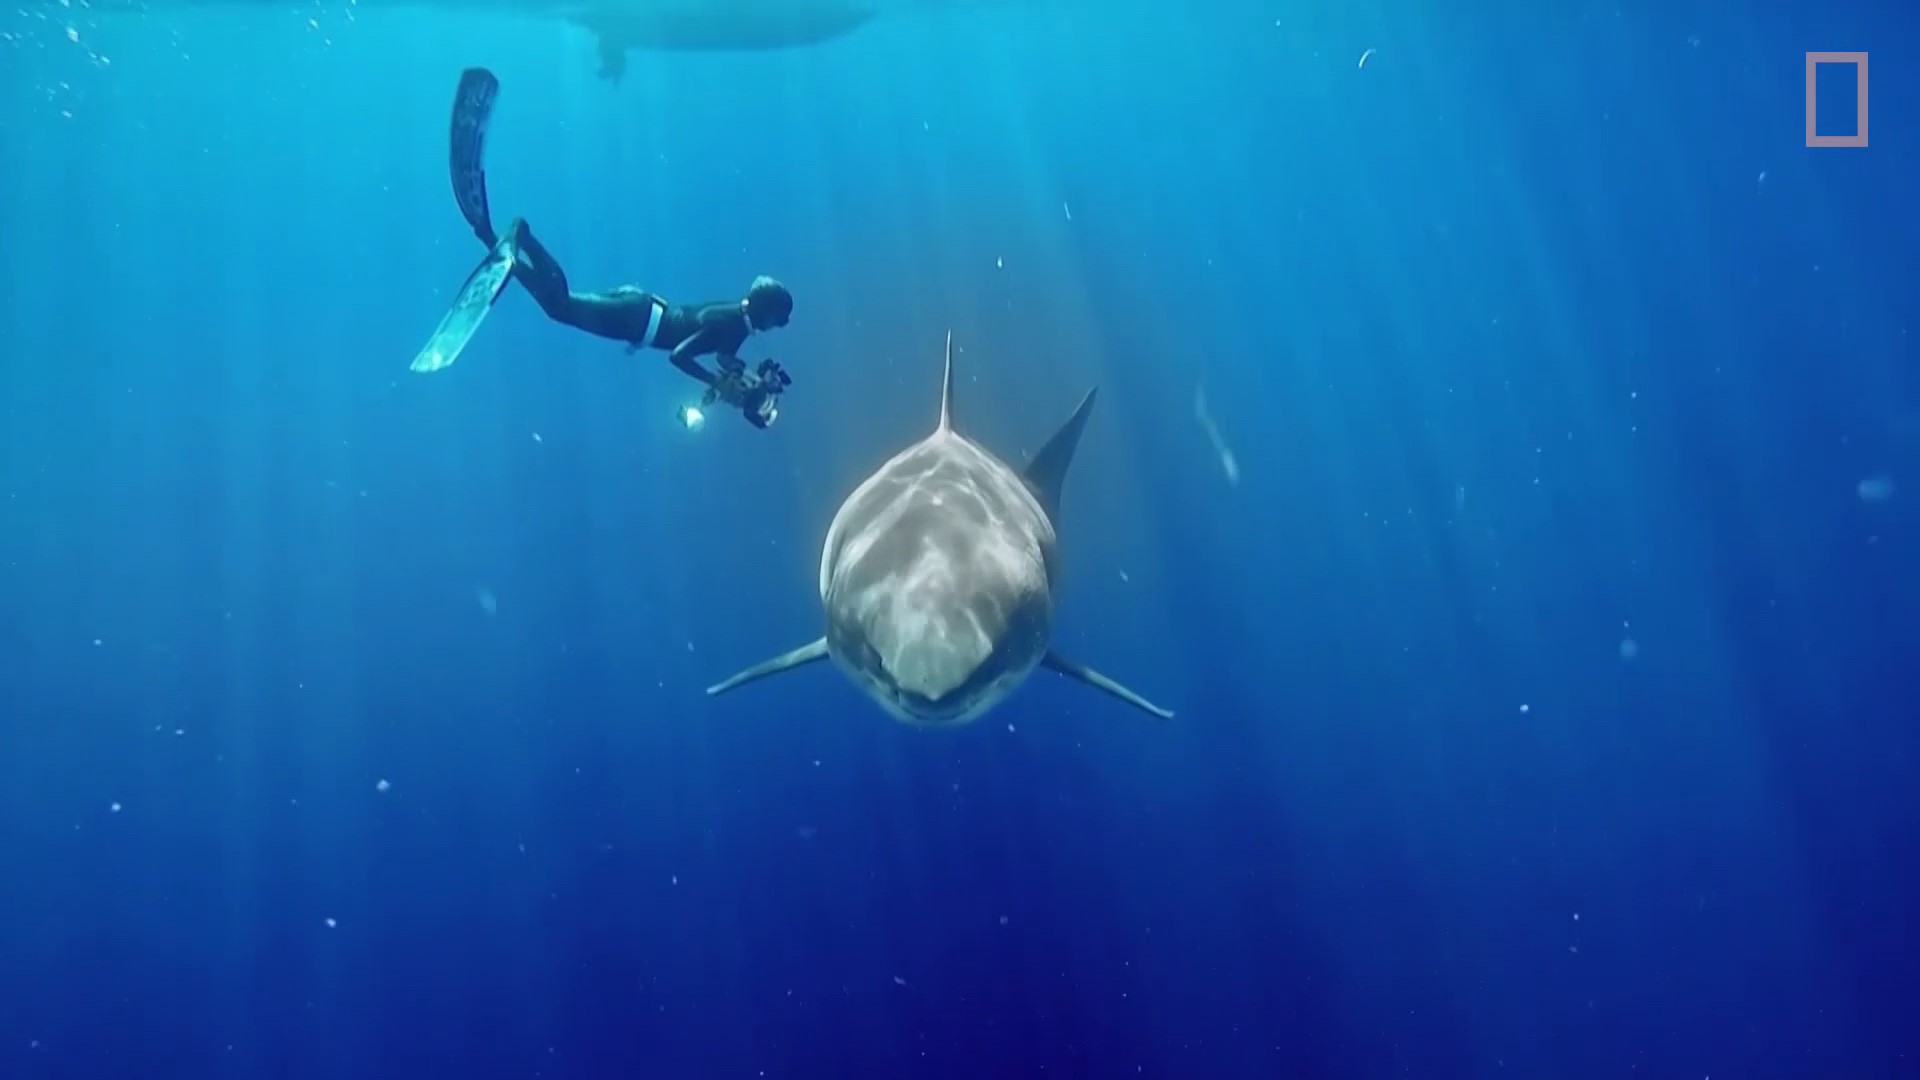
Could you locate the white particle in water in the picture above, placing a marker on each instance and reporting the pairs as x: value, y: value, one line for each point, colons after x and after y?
x: 113, y: 808
x: 382, y: 786
x: 331, y: 923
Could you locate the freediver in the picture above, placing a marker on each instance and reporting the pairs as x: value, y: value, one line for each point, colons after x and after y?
x: 627, y: 313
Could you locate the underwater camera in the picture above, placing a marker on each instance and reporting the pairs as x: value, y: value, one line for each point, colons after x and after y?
x: 760, y: 401
x: 762, y: 408
x: 763, y: 401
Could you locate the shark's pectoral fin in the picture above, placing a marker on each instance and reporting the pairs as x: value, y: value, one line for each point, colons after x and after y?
x: 805, y: 654
x: 1053, y: 661
x: 613, y: 57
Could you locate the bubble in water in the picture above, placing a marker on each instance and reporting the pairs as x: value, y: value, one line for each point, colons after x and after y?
x: 1876, y: 489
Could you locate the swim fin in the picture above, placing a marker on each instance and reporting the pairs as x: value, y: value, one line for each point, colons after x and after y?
x: 467, y: 146
x: 469, y: 310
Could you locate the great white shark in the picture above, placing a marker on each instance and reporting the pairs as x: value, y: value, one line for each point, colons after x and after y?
x: 937, y: 578
x: 712, y: 25
x: 622, y: 25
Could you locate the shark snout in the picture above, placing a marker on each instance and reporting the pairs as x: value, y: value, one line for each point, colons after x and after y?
x: 935, y: 659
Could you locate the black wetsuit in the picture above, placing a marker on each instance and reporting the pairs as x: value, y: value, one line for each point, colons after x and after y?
x: 627, y: 314
x: 634, y: 315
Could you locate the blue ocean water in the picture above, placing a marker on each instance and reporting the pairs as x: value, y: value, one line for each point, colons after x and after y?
x: 1542, y: 652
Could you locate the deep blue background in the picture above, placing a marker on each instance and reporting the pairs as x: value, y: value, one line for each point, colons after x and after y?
x: 1546, y: 685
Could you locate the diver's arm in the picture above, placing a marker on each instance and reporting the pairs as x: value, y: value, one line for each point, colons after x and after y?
x: 699, y: 343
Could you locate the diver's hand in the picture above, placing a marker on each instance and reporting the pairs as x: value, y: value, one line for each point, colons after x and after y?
x: 730, y: 387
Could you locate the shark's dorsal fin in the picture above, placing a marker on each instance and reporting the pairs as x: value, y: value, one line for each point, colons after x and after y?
x: 1047, y: 472
x: 946, y: 390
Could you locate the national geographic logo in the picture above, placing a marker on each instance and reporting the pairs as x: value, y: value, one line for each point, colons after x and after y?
x: 1858, y: 60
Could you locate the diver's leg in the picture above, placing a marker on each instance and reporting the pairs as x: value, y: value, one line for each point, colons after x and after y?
x: 472, y: 110
x: 622, y: 315
x: 535, y: 268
